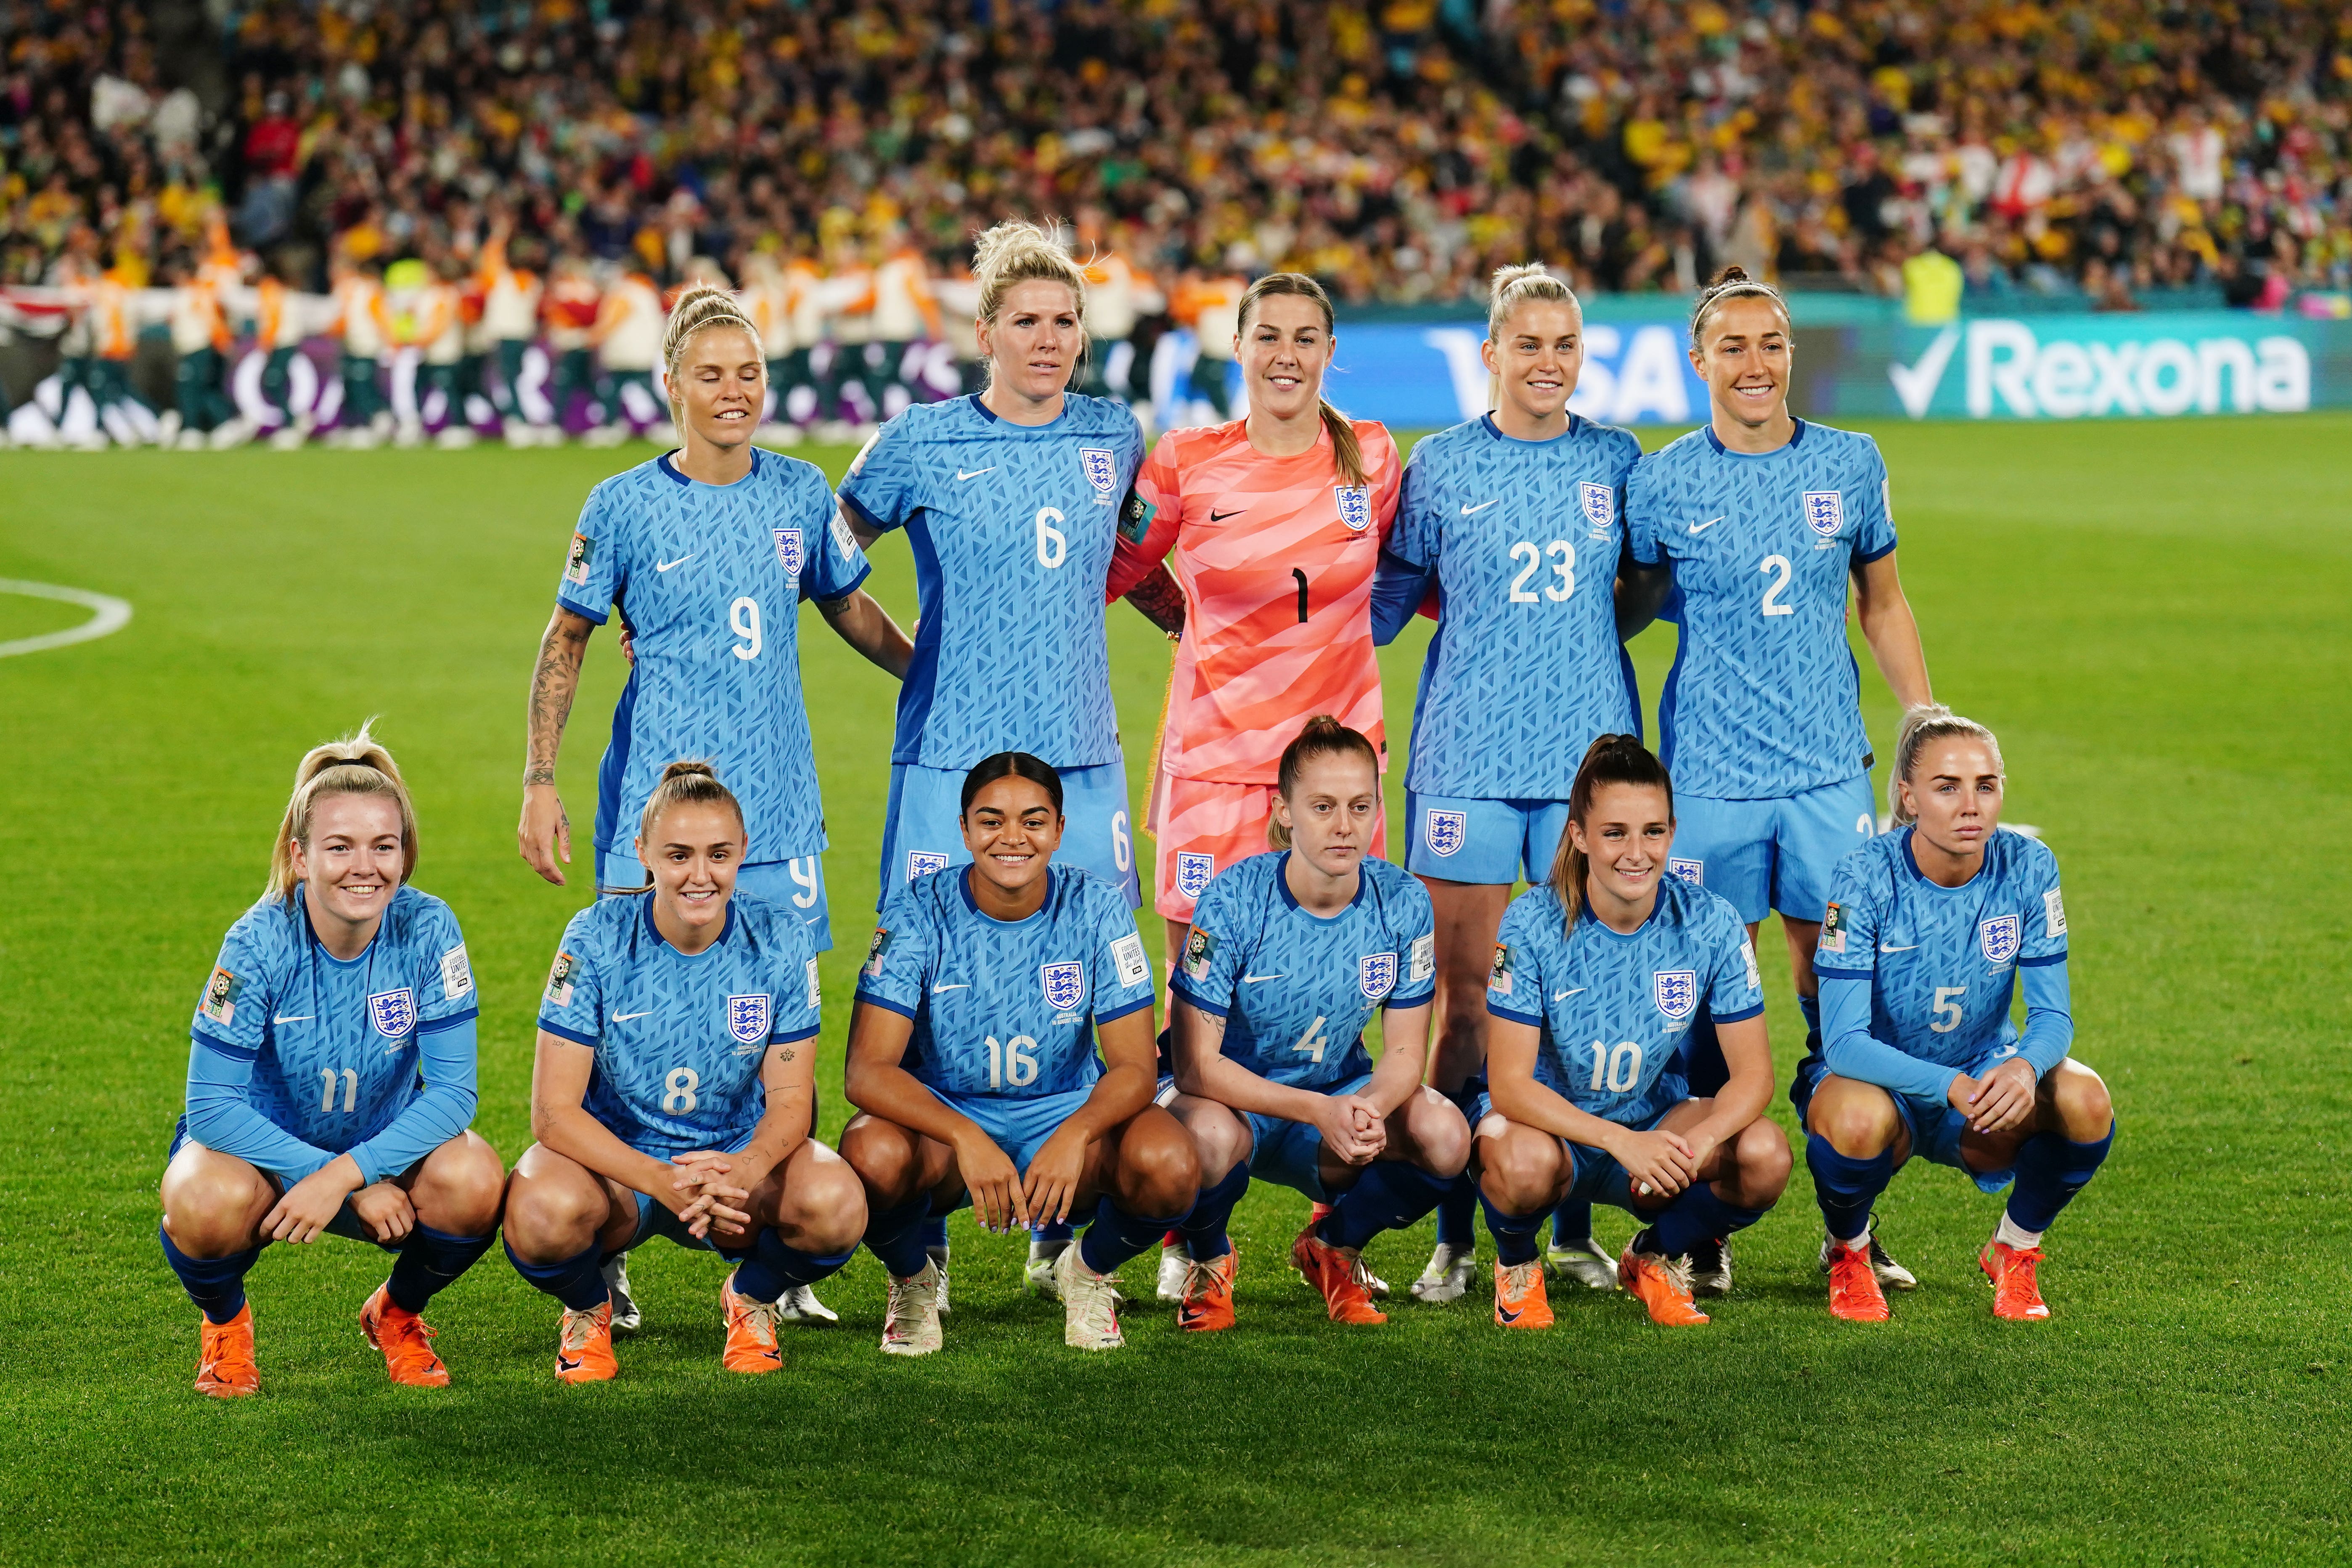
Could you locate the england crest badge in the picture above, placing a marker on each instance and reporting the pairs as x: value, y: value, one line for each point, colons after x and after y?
x: 1101, y: 466
x: 788, y: 554
x: 1599, y: 504
x: 1691, y: 871
x: 1192, y: 873
x: 1677, y: 993
x: 747, y: 1018
x: 1355, y: 506
x: 923, y: 862
x: 1825, y: 512
x: 1064, y: 983
x: 1377, y: 975
x: 393, y: 1013
x: 1445, y: 831
x: 1997, y: 937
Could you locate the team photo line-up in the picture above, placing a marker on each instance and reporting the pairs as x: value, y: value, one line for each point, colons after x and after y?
x: 1598, y: 1038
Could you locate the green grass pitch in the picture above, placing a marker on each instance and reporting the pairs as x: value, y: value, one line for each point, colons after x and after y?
x: 2154, y: 617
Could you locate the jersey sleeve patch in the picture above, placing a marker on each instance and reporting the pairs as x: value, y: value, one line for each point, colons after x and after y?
x: 1423, y: 964
x: 1127, y: 957
x: 559, y: 980
x: 579, y: 561
x: 456, y: 974
x: 1134, y: 517
x: 1834, y: 927
x: 1747, y: 951
x: 2053, y: 914
x: 815, y: 990
x: 1498, y: 978
x: 219, y: 1000
x: 1199, y: 951
x: 874, y: 952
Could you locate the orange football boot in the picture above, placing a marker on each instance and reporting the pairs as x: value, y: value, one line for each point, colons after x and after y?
x: 1338, y: 1275
x: 1519, y: 1299
x: 1208, y: 1304
x: 406, y: 1340
x: 584, y: 1352
x: 2016, y: 1295
x: 750, y: 1331
x: 1854, y: 1294
x: 1663, y: 1285
x: 225, y: 1365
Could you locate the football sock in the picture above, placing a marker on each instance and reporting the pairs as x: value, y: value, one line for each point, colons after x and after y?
x: 1388, y: 1195
x: 1571, y: 1223
x: 217, y: 1285
x: 1056, y: 1233
x: 897, y: 1236
x: 935, y: 1234
x: 1457, y: 1215
x: 431, y: 1262
x: 1811, y: 1006
x: 2008, y: 1234
x: 1696, y: 1217
x: 576, y: 1281
x: 2050, y: 1172
x: 1514, y: 1234
x: 1204, y: 1229
x: 1117, y: 1235
x: 774, y: 1266
x: 1846, y: 1188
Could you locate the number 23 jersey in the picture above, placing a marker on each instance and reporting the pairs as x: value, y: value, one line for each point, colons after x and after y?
x: 1005, y: 1008
x: 1614, y: 1008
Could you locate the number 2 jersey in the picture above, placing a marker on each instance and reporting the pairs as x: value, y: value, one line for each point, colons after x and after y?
x: 1916, y: 978
x: 680, y: 1040
x: 1764, y: 698
x: 1614, y: 1009
x: 299, y: 1056
x: 1524, y: 670
x: 708, y: 579
x: 1006, y: 1007
x: 1296, y: 989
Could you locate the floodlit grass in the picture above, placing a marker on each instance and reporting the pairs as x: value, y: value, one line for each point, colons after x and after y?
x: 2154, y: 617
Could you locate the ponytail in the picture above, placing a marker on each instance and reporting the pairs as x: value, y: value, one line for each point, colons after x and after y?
x: 1612, y: 759
x: 1929, y: 722
x: 1324, y: 736
x: 358, y: 764
x: 1346, y: 449
x: 689, y: 783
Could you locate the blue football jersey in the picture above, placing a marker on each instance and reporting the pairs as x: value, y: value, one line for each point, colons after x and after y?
x: 334, y: 1044
x: 1614, y: 1009
x: 1296, y: 989
x: 1943, y: 961
x: 709, y: 579
x: 1525, y: 668
x: 1764, y: 700
x: 1006, y: 1007
x: 1012, y: 526
x: 680, y: 1041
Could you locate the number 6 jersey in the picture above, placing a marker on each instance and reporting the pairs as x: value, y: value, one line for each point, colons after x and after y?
x: 1615, y: 1009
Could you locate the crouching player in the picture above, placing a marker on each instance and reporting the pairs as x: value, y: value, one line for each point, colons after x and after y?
x: 1288, y: 957
x: 1598, y: 977
x: 970, y: 1056
x: 673, y: 1091
x: 1928, y: 930
x: 331, y: 1077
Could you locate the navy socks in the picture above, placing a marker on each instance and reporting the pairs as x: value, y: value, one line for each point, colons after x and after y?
x: 575, y: 1281
x: 935, y: 1234
x: 897, y: 1236
x: 774, y: 1266
x: 1514, y: 1234
x: 1204, y: 1229
x: 1846, y: 1188
x: 430, y: 1262
x: 1117, y: 1235
x: 1571, y: 1223
x: 1698, y: 1216
x: 1388, y: 1195
x: 1457, y: 1215
x: 217, y: 1285
x: 2050, y: 1172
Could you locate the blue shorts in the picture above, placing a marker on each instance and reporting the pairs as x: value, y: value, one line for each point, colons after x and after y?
x: 1934, y: 1126
x: 346, y: 1224
x: 1462, y: 839
x: 1287, y: 1153
x: 1766, y: 854
x: 1018, y: 1126
x: 1595, y: 1176
x: 922, y: 830
x: 796, y: 885
x: 653, y: 1219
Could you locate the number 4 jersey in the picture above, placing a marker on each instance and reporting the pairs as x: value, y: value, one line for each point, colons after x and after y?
x: 1614, y: 1010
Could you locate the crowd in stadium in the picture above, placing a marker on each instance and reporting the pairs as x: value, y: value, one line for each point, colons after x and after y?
x: 1400, y: 151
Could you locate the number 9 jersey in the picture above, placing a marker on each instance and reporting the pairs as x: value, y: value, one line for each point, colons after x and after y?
x: 1005, y: 1008
x: 680, y: 1041
x: 1614, y: 1010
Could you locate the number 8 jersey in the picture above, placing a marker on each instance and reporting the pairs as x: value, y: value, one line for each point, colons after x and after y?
x: 1614, y: 1009
x: 680, y: 1040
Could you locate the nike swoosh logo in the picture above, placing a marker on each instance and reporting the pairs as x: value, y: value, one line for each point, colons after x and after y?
x: 1216, y: 516
x: 959, y: 986
x: 1254, y: 979
x: 1564, y: 995
x: 567, y: 1363
x: 961, y: 476
x: 625, y: 1018
x: 1507, y: 1314
x: 292, y: 1019
x: 666, y: 565
x: 1702, y: 527
x: 1482, y: 506
x: 1883, y: 948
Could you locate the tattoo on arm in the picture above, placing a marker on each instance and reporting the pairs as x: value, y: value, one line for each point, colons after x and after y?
x: 553, y: 684
x: 786, y: 1054
x: 1160, y: 601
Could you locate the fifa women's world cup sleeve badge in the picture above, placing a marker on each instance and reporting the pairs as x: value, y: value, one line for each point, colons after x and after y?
x: 1498, y: 979
x: 559, y: 980
x: 577, y: 562
x: 875, y: 950
x: 219, y: 1000
x: 1199, y: 949
x: 1833, y: 924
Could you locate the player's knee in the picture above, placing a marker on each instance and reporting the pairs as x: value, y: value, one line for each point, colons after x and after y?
x: 549, y: 1219
x: 824, y: 1207
x: 1220, y: 1139
x: 1857, y: 1119
x: 883, y: 1154
x: 1762, y: 1151
x: 1160, y: 1171
x: 1518, y: 1171
x: 1441, y: 1133
x: 2080, y: 1096
x: 462, y: 1186
x: 210, y: 1204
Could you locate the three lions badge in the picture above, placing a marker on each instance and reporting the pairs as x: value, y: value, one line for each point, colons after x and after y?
x: 1997, y: 937
x: 1445, y: 831
x: 1677, y: 993
x: 393, y: 1013
x: 1065, y: 984
x: 789, y: 554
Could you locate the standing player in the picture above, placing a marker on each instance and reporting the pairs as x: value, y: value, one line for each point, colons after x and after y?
x: 1515, y: 517
x: 1929, y: 930
x: 571, y: 308
x: 972, y: 1056
x: 629, y: 340
x: 1764, y: 519
x: 1291, y: 953
x: 362, y: 327
x: 1599, y: 974
x: 331, y: 1079
x: 674, y: 1093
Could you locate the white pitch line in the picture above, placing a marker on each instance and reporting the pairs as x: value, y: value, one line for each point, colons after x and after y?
x: 109, y: 615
